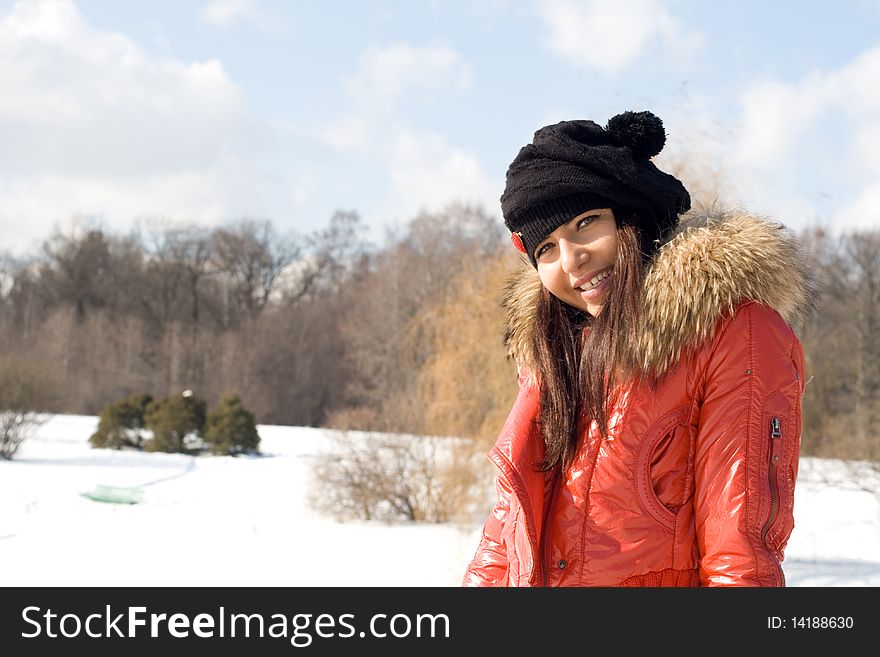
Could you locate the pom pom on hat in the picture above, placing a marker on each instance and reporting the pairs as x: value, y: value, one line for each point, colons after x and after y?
x: 642, y: 131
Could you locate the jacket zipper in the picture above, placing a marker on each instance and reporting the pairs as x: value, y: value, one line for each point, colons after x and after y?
x: 775, y: 455
x: 542, y: 557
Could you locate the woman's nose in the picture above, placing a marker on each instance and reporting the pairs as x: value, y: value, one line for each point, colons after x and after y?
x: 571, y: 255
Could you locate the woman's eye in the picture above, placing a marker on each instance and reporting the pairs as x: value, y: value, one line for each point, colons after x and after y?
x: 584, y: 221
x: 541, y: 250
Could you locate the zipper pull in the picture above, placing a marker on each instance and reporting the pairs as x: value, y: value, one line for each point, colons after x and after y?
x: 775, y: 433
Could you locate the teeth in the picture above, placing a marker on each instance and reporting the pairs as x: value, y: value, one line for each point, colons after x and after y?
x: 595, y: 280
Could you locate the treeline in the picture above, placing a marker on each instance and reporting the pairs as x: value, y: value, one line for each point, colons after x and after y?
x: 333, y: 328
x: 842, y: 347
x: 347, y: 329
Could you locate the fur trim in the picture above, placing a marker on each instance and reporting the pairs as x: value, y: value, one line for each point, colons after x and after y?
x: 711, y: 263
x: 520, y: 301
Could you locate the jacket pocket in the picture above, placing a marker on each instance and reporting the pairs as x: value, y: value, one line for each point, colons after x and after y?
x: 783, y: 439
x: 662, y: 467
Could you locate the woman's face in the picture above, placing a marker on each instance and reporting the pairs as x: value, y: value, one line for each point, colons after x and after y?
x: 576, y: 260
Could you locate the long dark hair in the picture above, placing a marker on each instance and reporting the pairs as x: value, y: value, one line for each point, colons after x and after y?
x: 582, y: 358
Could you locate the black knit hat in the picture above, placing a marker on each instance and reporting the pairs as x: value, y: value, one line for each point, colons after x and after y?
x: 574, y: 166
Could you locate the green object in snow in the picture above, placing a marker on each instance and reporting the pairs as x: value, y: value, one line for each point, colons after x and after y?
x: 115, y: 494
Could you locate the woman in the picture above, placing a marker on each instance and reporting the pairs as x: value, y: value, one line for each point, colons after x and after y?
x: 655, y: 437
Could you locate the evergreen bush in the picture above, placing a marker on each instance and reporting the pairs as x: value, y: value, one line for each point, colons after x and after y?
x: 122, y: 424
x: 231, y: 429
x: 176, y: 423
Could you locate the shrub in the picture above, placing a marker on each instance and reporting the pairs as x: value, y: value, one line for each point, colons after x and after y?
x: 26, y: 391
x: 375, y: 476
x: 122, y: 424
x: 16, y: 425
x: 231, y: 429
x: 176, y: 423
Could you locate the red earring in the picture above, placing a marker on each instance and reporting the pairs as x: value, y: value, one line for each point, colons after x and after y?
x: 516, y: 238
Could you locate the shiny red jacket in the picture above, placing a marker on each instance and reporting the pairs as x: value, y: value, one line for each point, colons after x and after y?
x: 694, y: 484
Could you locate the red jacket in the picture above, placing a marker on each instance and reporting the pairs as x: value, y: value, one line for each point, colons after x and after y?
x: 694, y: 484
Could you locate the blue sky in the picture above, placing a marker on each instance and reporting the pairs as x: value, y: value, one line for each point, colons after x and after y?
x: 212, y: 110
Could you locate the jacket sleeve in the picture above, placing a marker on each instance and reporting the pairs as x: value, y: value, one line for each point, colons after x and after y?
x: 747, y: 449
x: 489, y: 565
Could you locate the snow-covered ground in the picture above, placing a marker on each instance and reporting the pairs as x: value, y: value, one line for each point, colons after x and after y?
x: 223, y: 521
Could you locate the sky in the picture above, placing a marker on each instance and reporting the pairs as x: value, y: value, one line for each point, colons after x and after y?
x: 210, y: 111
x: 245, y: 521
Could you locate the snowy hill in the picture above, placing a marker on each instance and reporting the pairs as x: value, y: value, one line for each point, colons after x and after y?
x: 223, y: 521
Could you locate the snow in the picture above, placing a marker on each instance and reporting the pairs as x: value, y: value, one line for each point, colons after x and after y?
x: 243, y: 521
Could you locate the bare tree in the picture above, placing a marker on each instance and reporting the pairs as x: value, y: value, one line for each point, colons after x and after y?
x: 388, y: 326
x: 77, y: 270
x: 333, y: 257
x: 21, y: 310
x: 842, y: 350
x: 179, y: 267
x: 863, y: 249
x: 250, y: 257
x: 467, y: 383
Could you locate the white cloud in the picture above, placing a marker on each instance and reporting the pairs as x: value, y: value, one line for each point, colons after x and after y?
x: 860, y: 81
x: 351, y: 132
x: 91, y: 123
x: 609, y: 35
x: 864, y: 211
x: 867, y: 147
x: 427, y: 173
x: 774, y: 113
x: 784, y: 124
x: 777, y: 114
x: 301, y: 191
x: 225, y: 14
x: 385, y: 80
x: 385, y: 75
x: 57, y: 200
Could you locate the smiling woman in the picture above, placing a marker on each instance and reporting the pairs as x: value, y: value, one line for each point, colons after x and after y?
x: 587, y: 243
x: 656, y: 435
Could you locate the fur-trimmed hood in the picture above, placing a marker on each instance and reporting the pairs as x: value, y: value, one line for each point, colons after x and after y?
x: 709, y: 264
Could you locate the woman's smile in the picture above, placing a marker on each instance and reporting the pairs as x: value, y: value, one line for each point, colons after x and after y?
x: 595, y: 287
x: 576, y: 261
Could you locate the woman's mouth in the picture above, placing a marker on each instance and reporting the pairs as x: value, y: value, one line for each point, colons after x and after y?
x: 595, y: 282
